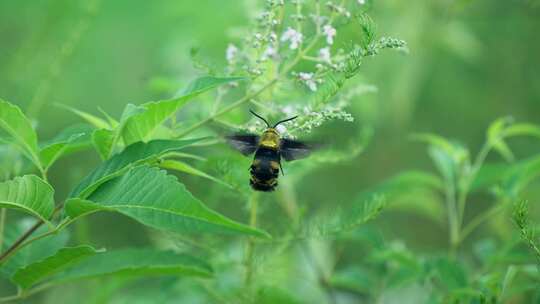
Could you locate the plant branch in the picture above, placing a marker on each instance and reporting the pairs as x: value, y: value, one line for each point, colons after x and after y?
x: 479, y: 219
x: 2, y: 226
x: 250, y: 247
x: 22, y: 240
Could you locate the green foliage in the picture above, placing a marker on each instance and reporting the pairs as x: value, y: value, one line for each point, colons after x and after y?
x: 140, y: 124
x: 132, y: 156
x: 157, y: 200
x: 34, y: 252
x: 68, y: 141
x: 136, y: 262
x: 364, y: 218
x: 184, y: 167
x: 33, y: 273
x: 521, y: 219
x: 19, y: 128
x: 30, y: 194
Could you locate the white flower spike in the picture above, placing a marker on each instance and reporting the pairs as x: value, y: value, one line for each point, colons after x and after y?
x: 307, y: 79
x: 324, y: 54
x: 293, y: 36
x: 330, y: 33
x: 231, y: 52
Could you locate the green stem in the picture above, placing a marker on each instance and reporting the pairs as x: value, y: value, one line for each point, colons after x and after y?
x: 462, y: 193
x: 479, y: 219
x: 452, y: 215
x: 24, y: 294
x: 248, y: 97
x: 23, y: 241
x: 479, y: 161
x: 250, y: 246
x: 227, y: 108
x: 2, y: 225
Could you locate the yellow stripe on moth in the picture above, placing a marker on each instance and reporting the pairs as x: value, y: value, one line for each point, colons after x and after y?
x: 270, y: 139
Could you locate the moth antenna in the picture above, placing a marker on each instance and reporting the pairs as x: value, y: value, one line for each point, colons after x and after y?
x: 285, y: 120
x: 260, y: 117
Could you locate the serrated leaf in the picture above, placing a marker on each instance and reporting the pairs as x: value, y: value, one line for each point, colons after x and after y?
x: 345, y: 218
x: 34, y: 273
x: 19, y: 128
x: 140, y: 126
x: 133, y: 155
x: 68, y: 141
x: 91, y: 119
x: 158, y: 200
x: 136, y: 262
x: 30, y: 194
x: 103, y: 142
x: 183, y: 167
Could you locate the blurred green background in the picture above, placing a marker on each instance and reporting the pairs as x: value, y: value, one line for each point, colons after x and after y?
x: 470, y: 62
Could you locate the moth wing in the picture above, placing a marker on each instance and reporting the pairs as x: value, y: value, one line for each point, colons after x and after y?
x: 292, y: 149
x: 245, y: 143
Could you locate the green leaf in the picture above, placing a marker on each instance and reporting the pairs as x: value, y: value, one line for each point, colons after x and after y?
x: 133, y: 155
x: 16, y: 125
x: 183, y: 167
x: 34, y: 273
x: 68, y: 141
x: 112, y: 122
x: 354, y: 278
x: 451, y: 159
x: 30, y: 194
x: 158, y: 200
x: 136, y: 262
x: 140, y: 126
x: 512, y: 178
x: 503, y: 128
x: 523, y: 129
x: 33, y: 252
x: 91, y: 119
x: 346, y: 218
x: 103, y: 142
x: 271, y: 295
x: 495, y: 135
x: 451, y: 274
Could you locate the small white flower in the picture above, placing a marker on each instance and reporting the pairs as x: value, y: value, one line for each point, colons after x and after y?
x: 361, y: 2
x: 281, y: 129
x: 293, y: 36
x: 324, y: 54
x: 307, y: 79
x: 231, y: 52
x: 330, y: 33
x: 269, y: 53
x: 272, y: 37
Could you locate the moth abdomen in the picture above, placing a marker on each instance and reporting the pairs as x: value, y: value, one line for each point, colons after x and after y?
x: 264, y: 170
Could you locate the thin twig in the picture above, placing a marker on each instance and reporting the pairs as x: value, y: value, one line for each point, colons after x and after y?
x: 19, y: 242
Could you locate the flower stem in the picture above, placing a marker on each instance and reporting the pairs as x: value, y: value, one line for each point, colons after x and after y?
x: 2, y: 226
x: 250, y: 246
